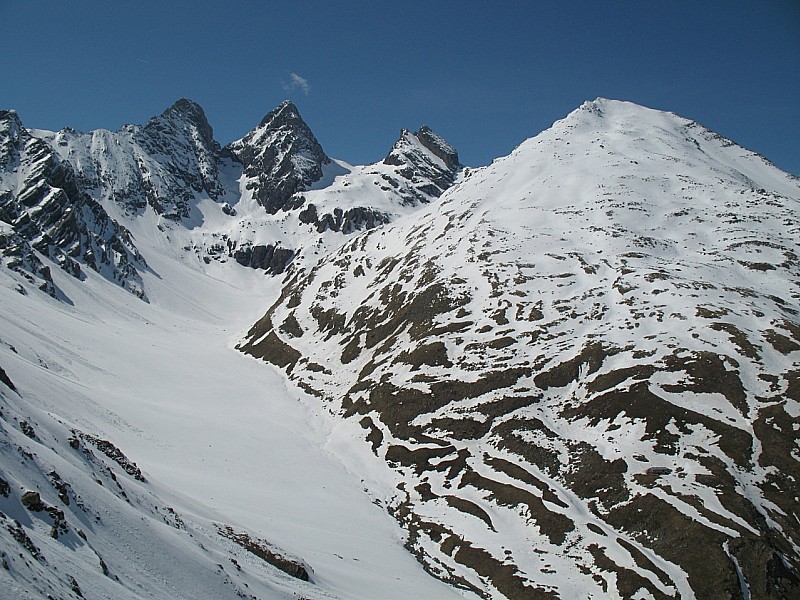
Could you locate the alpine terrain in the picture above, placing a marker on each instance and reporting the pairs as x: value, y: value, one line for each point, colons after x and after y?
x: 256, y: 371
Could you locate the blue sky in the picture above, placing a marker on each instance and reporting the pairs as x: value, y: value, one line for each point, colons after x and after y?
x: 485, y: 75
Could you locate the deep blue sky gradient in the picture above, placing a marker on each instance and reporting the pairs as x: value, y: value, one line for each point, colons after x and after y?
x: 485, y: 75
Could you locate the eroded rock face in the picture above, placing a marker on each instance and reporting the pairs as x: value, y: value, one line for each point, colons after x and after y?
x: 350, y: 221
x: 425, y: 161
x: 272, y: 259
x: 581, y: 382
x: 166, y: 164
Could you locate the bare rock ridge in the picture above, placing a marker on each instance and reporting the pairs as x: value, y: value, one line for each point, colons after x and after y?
x: 582, y: 366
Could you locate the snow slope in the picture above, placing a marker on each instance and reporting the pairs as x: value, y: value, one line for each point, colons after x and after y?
x: 217, y: 436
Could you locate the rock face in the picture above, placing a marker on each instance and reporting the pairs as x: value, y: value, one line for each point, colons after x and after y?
x: 280, y: 157
x: 350, y: 221
x: 273, y: 260
x: 582, y: 366
x: 416, y: 171
x: 45, y: 208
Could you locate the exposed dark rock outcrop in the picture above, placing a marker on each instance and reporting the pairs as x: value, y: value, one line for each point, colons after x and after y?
x: 7, y: 380
x: 349, y: 221
x: 273, y: 259
x: 266, y: 552
x: 49, y: 211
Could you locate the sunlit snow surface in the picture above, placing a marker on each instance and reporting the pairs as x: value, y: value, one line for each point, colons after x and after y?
x: 217, y: 435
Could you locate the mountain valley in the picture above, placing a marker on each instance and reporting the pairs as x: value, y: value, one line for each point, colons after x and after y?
x: 256, y: 371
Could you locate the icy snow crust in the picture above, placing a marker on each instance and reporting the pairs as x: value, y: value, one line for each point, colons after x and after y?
x: 619, y: 293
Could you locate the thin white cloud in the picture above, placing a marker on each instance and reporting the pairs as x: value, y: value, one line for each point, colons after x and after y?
x: 296, y: 82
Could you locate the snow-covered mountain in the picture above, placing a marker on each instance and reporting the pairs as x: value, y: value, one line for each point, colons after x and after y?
x: 44, y: 207
x: 582, y: 363
x: 572, y: 373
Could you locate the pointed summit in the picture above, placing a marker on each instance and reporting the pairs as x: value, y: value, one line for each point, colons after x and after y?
x: 285, y: 113
x: 424, y: 155
x: 12, y: 133
x: 281, y: 157
x: 184, y: 114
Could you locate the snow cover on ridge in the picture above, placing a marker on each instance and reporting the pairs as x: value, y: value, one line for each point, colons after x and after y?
x: 582, y: 363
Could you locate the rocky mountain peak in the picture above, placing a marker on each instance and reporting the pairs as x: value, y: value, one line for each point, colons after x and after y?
x: 11, y: 134
x: 285, y: 114
x: 426, y: 158
x: 188, y: 113
x: 8, y: 119
x: 185, y: 116
x: 280, y: 157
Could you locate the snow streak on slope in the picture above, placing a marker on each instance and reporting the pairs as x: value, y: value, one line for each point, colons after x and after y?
x: 582, y: 363
x: 142, y: 457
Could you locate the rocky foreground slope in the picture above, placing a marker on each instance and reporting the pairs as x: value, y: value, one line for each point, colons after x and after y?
x: 582, y: 363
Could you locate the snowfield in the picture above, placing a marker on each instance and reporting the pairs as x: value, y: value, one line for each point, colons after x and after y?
x: 218, y: 436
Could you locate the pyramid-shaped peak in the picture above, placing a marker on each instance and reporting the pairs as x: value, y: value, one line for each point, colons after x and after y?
x: 185, y: 106
x: 404, y: 151
x: 186, y: 112
x: 281, y: 156
x: 285, y: 114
